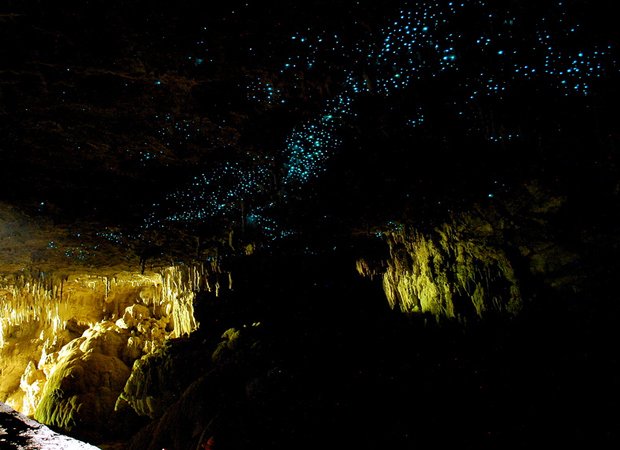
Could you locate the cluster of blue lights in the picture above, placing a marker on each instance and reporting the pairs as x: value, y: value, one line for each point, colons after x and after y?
x: 503, y: 137
x: 393, y: 66
x: 81, y: 252
x: 415, y: 45
x: 309, y: 147
x: 310, y: 45
x: 418, y: 119
x: 574, y: 72
x: 259, y: 218
x: 356, y: 84
x: 550, y: 55
x: 116, y: 237
x: 422, y: 42
x: 264, y: 92
x: 494, y: 87
x: 146, y: 156
x: 221, y: 192
x: 78, y: 253
x: 174, y: 132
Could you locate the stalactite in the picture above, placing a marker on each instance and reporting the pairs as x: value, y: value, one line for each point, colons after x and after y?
x: 45, y: 314
x: 455, y: 271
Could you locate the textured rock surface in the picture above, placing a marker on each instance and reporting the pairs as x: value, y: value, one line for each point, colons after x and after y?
x: 18, y: 432
x: 478, y: 262
x: 450, y: 272
x: 67, y: 344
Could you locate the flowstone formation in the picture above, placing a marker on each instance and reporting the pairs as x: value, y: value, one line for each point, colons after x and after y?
x: 68, y: 344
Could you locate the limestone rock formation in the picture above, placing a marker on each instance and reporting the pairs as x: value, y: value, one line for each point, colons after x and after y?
x: 447, y: 272
x: 149, y: 388
x: 477, y: 262
x: 67, y: 344
x: 84, y: 380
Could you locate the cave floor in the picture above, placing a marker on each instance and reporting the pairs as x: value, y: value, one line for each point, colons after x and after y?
x: 19, y: 432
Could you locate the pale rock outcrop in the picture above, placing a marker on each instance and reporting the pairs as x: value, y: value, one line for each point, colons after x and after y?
x: 31, y: 383
x: 476, y: 262
x: 133, y: 315
x: 454, y: 271
x: 84, y: 379
x: 67, y: 343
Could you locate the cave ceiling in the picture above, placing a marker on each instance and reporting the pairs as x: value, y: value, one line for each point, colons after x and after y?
x: 128, y: 117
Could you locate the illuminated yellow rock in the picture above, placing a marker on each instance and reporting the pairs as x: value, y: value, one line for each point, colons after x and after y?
x: 457, y: 270
x: 31, y: 383
x: 67, y: 343
x: 82, y: 388
x: 145, y: 379
x: 133, y: 315
x: 85, y: 379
